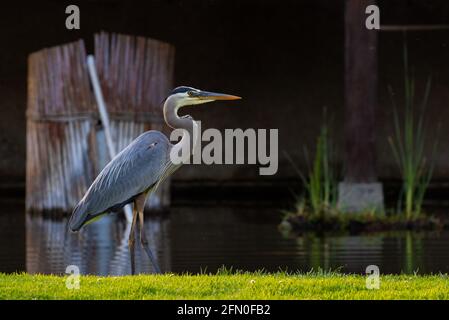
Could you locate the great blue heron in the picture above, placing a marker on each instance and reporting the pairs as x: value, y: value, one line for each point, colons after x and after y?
x: 133, y: 174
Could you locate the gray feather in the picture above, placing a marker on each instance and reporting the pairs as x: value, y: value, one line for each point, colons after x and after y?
x: 142, y: 165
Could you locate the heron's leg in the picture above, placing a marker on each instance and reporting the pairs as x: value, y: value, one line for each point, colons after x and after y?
x: 132, y: 239
x: 143, y: 239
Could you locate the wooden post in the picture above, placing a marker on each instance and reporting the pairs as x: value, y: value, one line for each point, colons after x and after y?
x: 105, y: 120
x: 135, y: 75
x: 360, y: 190
x: 59, y: 166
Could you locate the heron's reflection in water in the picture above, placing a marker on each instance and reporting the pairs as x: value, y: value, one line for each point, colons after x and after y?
x: 101, y: 248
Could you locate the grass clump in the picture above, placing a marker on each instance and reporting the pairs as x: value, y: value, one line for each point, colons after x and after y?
x: 320, y: 183
x: 408, y: 145
x: 244, y: 285
x: 317, y: 209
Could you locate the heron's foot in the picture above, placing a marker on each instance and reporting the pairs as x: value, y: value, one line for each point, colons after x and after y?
x: 151, y: 256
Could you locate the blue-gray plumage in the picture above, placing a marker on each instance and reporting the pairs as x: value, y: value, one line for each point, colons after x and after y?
x: 139, y: 169
x: 135, y: 170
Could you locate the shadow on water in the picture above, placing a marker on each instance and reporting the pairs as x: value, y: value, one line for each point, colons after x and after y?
x: 194, y: 239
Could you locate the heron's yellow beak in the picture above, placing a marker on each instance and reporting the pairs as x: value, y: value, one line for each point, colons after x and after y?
x: 205, y: 95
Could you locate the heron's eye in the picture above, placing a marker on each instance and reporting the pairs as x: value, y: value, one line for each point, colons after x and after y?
x: 191, y: 93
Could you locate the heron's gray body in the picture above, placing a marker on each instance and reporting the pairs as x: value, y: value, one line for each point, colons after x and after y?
x: 138, y: 168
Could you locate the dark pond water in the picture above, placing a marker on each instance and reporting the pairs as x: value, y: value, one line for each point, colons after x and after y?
x: 191, y: 239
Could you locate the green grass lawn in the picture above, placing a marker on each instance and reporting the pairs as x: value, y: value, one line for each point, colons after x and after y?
x: 225, y: 286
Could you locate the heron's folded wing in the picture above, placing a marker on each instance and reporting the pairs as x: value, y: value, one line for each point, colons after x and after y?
x: 131, y: 172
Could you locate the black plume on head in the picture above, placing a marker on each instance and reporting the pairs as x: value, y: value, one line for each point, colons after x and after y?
x: 181, y: 89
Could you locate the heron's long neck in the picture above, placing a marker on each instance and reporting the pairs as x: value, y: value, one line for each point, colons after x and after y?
x: 175, y: 122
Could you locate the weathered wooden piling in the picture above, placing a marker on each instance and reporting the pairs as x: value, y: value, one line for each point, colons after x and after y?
x: 63, y: 144
x: 136, y: 74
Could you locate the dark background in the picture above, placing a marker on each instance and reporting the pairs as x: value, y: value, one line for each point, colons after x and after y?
x: 285, y: 58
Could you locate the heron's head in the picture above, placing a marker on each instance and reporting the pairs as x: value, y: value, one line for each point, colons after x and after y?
x: 184, y: 96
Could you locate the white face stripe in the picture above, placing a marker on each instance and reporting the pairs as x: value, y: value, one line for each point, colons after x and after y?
x: 183, y: 99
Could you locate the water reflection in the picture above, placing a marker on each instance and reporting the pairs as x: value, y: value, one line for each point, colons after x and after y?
x: 248, y: 239
x: 101, y: 248
x: 192, y: 239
